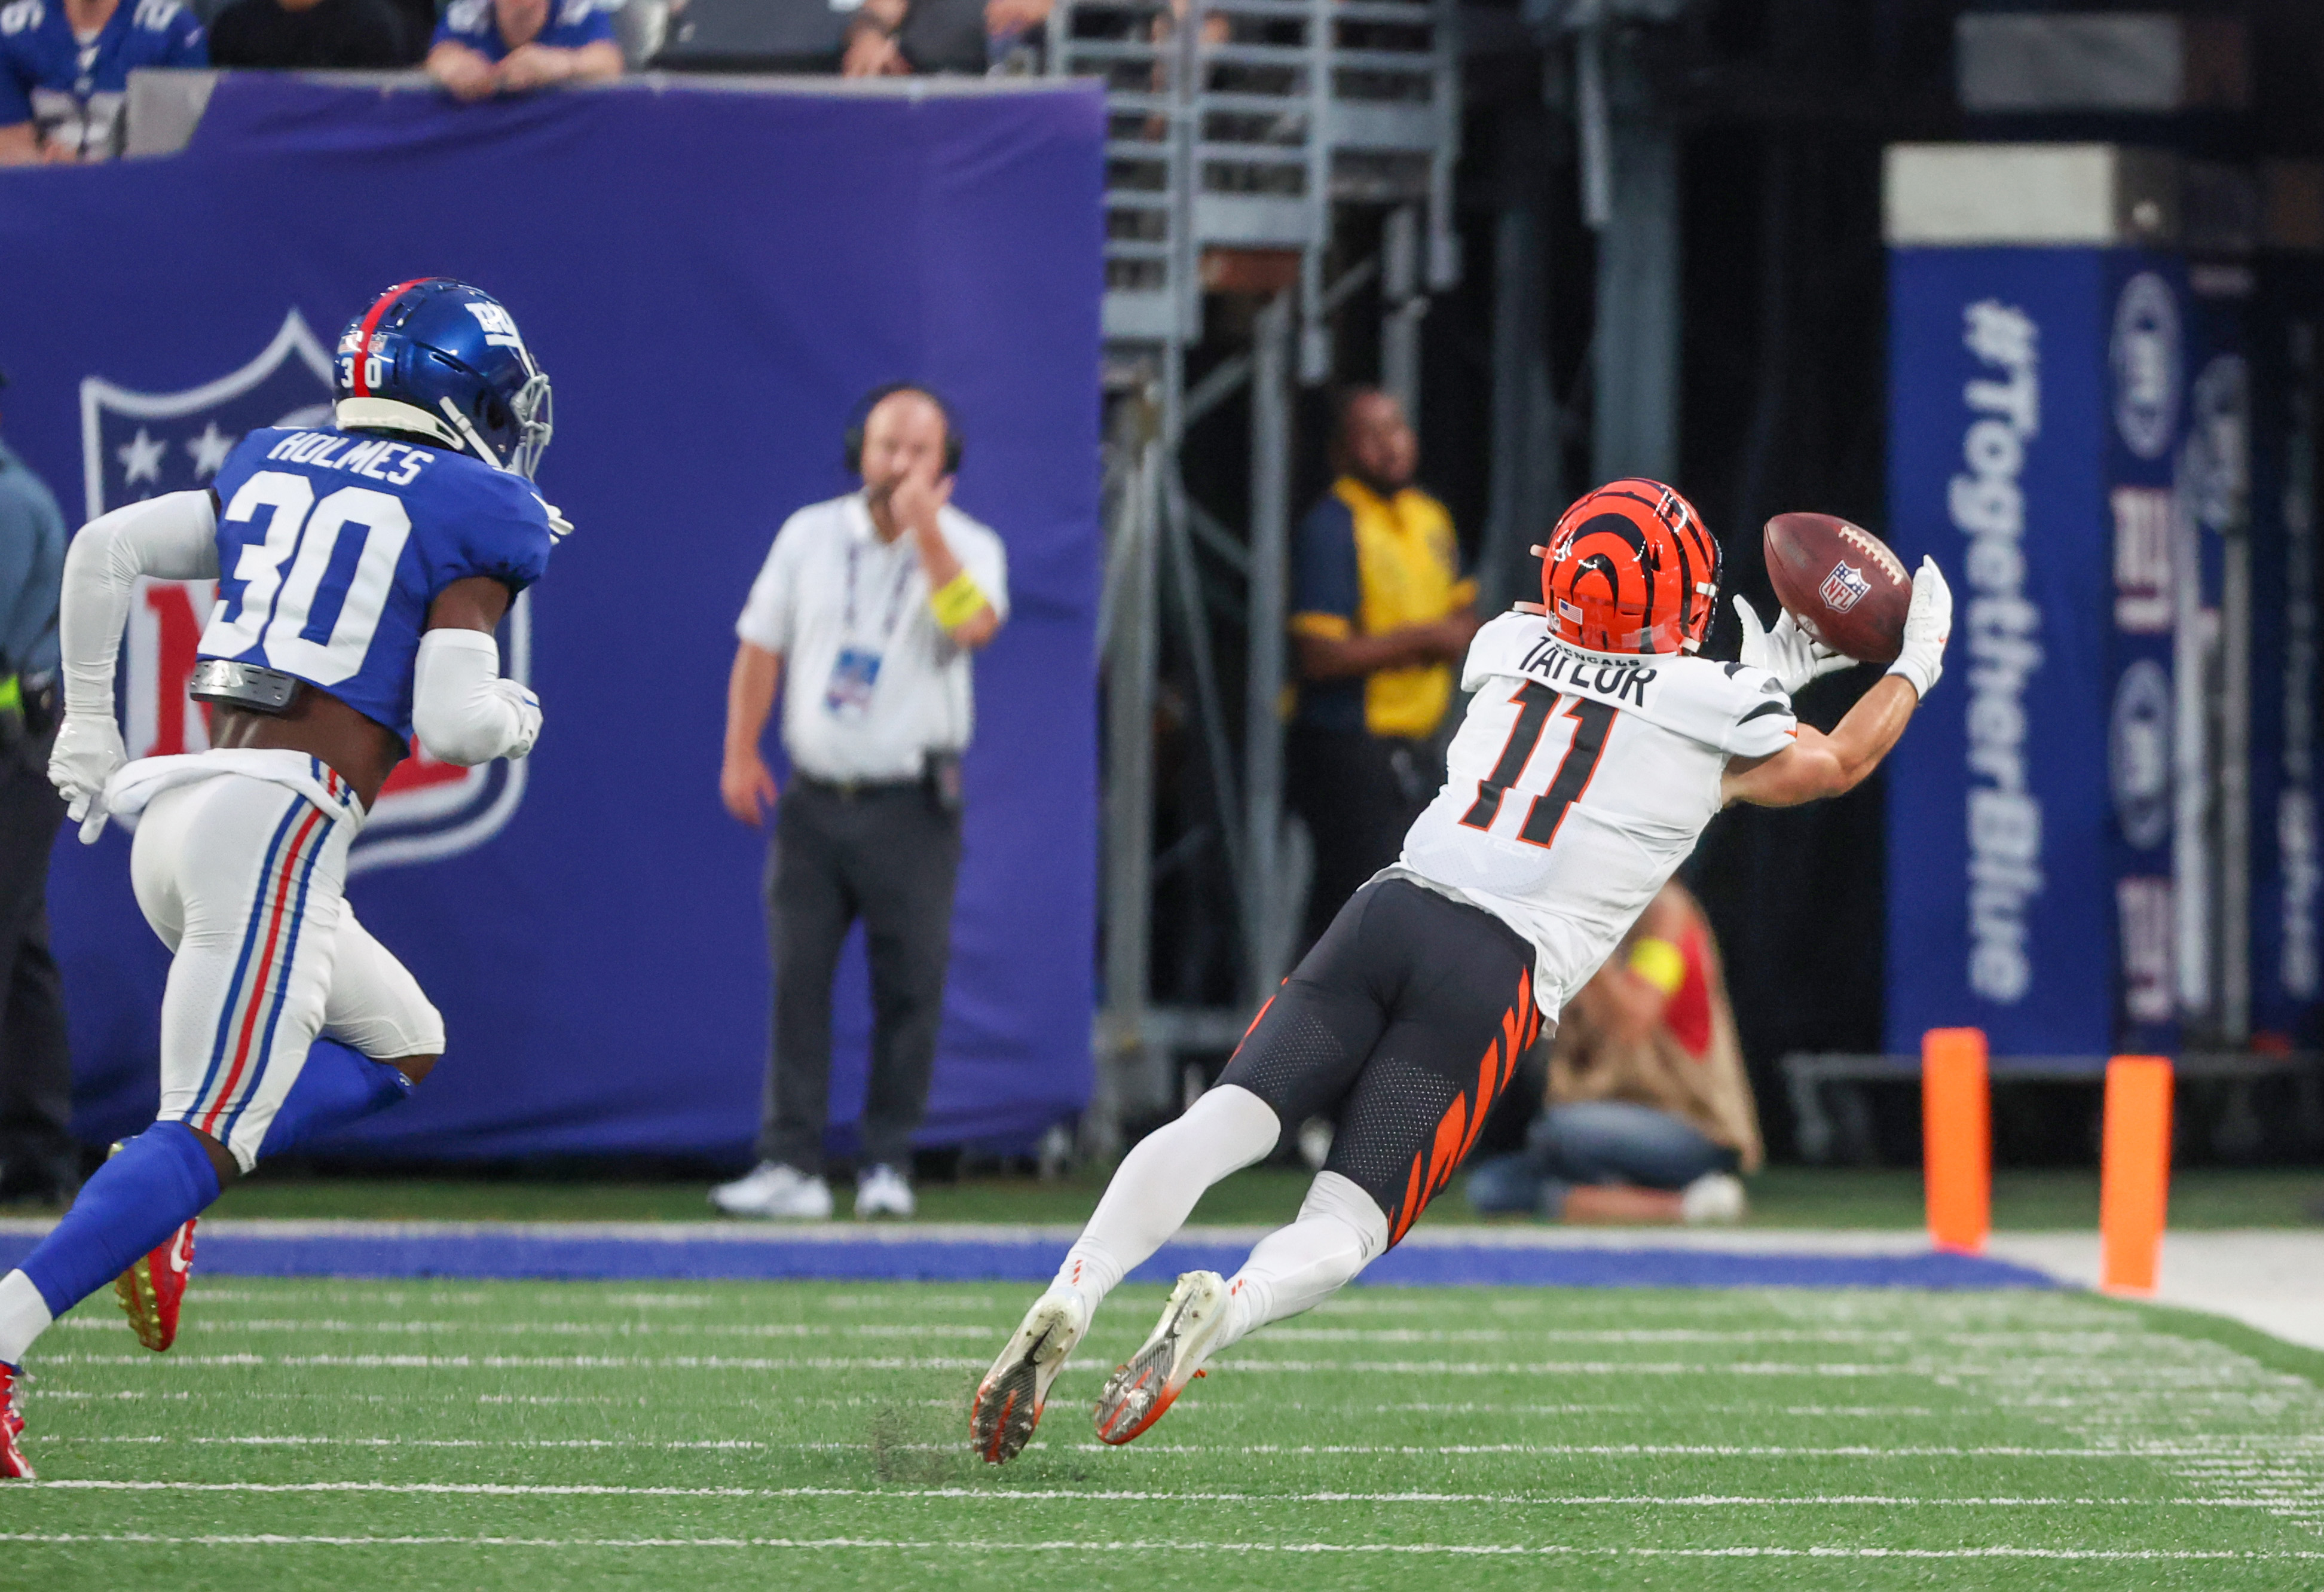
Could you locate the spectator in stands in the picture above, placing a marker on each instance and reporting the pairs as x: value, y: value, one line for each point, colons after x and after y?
x: 488, y: 47
x: 348, y: 34
x: 65, y: 66
x: 866, y: 612
x: 897, y: 38
x: 39, y: 1159
x: 1649, y: 1112
x: 1381, y: 618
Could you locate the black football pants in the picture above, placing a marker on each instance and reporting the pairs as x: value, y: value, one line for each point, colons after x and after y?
x: 1403, y: 1026
x: 888, y: 854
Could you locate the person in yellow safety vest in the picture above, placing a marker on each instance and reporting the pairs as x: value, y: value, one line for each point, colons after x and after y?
x: 1382, y: 615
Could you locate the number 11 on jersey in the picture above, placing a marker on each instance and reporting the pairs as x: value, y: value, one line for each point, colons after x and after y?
x: 1536, y: 703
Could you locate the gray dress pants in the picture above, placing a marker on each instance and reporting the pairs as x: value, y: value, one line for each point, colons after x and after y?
x: 40, y: 1159
x: 888, y: 854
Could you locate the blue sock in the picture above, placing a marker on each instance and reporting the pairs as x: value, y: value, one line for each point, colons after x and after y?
x: 336, y: 1086
x: 131, y: 1203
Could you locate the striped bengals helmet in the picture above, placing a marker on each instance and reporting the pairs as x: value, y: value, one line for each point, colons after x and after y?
x: 1631, y: 569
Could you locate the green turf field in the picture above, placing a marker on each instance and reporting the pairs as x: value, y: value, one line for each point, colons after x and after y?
x: 692, y: 1435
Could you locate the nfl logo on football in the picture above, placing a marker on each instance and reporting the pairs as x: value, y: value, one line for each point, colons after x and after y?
x: 138, y: 444
x: 1844, y: 588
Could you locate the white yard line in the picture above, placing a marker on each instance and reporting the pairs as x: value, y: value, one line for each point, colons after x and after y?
x: 2159, y: 1450
x: 2079, y: 1374
x: 2079, y: 1342
x: 1124, y: 1495
x: 956, y: 1545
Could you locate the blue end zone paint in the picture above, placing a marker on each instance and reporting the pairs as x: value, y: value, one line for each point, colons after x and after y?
x: 516, y: 1252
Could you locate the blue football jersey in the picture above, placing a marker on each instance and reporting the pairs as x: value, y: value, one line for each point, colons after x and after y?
x: 332, y: 546
x: 75, y: 91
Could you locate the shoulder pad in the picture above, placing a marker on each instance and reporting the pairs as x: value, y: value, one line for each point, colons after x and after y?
x: 155, y: 15
x: 21, y: 17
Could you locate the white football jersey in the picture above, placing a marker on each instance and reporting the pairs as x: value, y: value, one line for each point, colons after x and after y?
x: 1578, y: 783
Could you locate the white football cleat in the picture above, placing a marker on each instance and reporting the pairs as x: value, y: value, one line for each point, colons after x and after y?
x: 1009, y: 1400
x: 774, y: 1191
x: 882, y: 1191
x: 1192, y: 1324
x: 1714, y: 1200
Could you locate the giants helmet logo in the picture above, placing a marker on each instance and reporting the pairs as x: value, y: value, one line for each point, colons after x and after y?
x: 1844, y: 588
x: 136, y: 445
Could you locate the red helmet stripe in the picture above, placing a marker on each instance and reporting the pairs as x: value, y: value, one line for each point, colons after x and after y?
x: 371, y: 324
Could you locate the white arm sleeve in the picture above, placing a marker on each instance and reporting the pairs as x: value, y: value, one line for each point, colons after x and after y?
x: 462, y: 711
x: 173, y: 537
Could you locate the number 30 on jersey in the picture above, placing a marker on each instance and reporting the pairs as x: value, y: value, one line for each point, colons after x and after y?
x: 315, y: 620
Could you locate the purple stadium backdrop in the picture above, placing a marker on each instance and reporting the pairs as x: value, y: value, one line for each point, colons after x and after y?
x: 712, y: 277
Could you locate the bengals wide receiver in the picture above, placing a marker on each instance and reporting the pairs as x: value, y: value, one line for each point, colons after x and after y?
x: 1597, y: 747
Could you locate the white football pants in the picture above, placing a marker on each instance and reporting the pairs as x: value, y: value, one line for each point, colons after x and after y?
x: 242, y: 877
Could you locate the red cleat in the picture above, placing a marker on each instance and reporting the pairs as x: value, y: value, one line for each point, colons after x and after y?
x: 151, y: 1290
x: 12, y: 1462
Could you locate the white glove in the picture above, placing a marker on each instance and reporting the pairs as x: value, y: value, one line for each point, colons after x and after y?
x: 87, y: 750
x: 1787, y: 651
x: 1928, y: 625
x: 528, y: 714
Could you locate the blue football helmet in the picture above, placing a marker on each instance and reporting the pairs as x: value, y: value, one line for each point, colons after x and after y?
x: 444, y: 360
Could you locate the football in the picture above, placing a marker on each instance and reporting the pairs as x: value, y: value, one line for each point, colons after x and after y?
x: 1841, y: 583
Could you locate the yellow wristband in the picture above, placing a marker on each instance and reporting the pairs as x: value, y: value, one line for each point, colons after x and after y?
x: 1659, y: 963
x: 956, y: 602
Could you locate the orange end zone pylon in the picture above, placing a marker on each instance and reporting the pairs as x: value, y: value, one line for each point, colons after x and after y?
x: 1955, y: 1139
x: 2134, y: 1190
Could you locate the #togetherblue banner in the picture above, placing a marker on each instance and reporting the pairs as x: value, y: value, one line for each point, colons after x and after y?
x: 712, y: 277
x: 2035, y: 411
x: 2287, y: 871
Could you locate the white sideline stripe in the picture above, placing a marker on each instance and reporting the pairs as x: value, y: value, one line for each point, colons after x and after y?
x: 1121, y: 1496
x: 1527, y: 1550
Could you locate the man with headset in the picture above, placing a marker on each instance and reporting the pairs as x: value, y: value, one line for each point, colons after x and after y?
x: 870, y: 604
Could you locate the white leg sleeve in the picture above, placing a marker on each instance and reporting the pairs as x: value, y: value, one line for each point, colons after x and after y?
x: 1340, y: 1230
x: 246, y: 876
x: 1155, y: 1189
x: 375, y: 1005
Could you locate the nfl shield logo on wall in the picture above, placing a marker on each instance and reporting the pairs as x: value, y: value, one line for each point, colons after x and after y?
x: 136, y: 445
x: 1844, y: 588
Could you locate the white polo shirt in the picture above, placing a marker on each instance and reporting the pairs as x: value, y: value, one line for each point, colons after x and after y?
x: 870, y: 684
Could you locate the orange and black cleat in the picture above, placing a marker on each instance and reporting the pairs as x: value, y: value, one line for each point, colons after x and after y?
x: 1138, y: 1395
x: 1009, y: 1400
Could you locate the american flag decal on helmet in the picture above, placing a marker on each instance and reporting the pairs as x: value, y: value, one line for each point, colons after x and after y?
x: 1844, y: 588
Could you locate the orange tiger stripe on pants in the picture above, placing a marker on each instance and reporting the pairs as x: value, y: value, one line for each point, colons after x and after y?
x: 1465, y: 1118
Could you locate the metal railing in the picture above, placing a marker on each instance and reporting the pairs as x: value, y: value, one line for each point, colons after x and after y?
x: 1239, y: 123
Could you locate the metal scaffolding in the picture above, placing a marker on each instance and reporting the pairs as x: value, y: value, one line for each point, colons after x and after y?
x: 1240, y: 133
